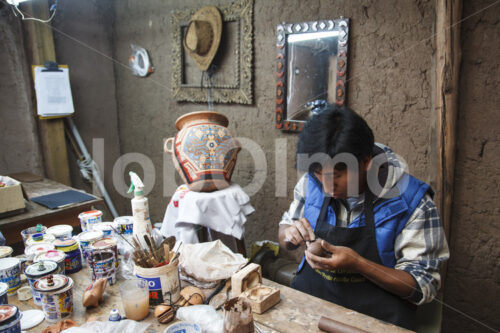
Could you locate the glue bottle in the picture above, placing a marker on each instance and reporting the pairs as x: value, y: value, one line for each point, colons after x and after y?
x: 140, y: 210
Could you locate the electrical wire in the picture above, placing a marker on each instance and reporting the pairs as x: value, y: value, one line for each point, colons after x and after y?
x: 52, y: 9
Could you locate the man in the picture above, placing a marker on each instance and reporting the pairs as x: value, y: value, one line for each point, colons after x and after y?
x: 378, y: 224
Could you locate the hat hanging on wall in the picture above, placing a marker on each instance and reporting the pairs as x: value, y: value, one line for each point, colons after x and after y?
x: 139, y: 61
x: 203, y: 35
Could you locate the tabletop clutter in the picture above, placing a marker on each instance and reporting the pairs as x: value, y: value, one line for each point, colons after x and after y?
x: 201, y: 285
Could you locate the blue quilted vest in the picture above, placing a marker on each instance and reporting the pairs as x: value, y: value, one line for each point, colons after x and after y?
x: 390, y: 215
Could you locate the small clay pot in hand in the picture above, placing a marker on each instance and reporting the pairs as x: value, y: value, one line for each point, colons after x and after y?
x: 315, y: 248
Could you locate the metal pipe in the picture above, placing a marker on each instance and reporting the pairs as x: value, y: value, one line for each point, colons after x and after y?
x: 95, y: 173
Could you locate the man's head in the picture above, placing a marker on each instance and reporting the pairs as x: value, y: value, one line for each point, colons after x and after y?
x: 336, y: 145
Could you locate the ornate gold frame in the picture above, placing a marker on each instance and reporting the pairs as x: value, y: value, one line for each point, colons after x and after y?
x: 240, y: 11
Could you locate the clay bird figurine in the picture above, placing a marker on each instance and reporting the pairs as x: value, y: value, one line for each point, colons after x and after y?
x: 191, y: 296
x: 315, y: 248
x: 164, y: 313
x: 93, y: 293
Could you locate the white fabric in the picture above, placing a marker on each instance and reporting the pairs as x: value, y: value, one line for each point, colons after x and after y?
x: 210, y: 261
x: 224, y: 211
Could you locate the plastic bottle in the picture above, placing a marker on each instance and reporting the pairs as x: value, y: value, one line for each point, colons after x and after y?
x: 140, y: 210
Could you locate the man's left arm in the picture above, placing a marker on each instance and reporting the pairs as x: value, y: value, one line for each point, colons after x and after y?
x: 420, y: 248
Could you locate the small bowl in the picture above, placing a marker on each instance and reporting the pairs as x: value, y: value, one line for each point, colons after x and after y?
x: 24, y: 293
x: 184, y: 327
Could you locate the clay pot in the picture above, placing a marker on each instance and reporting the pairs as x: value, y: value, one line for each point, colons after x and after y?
x: 315, y: 248
x: 204, y: 151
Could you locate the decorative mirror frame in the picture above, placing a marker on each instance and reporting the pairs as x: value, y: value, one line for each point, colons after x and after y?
x: 240, y: 11
x: 283, y: 30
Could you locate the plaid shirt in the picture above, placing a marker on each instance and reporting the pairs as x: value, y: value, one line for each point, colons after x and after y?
x: 420, y: 248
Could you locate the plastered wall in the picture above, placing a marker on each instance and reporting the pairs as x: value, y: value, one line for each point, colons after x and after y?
x: 473, y: 277
x: 390, y: 84
x: 20, y: 150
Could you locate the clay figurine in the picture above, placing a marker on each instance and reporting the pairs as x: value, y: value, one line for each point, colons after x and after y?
x: 164, y: 313
x: 191, y: 296
x: 315, y: 248
x: 93, y: 293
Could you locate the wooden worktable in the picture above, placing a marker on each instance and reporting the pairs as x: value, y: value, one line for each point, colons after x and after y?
x: 11, y: 227
x: 296, y: 312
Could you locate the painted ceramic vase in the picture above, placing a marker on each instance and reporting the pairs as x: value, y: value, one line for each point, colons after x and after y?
x: 204, y: 151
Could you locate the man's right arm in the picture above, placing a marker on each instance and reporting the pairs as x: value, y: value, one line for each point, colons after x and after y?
x: 294, y: 228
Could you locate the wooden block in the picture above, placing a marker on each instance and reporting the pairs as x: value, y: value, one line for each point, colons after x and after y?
x: 248, y: 277
x: 262, y: 297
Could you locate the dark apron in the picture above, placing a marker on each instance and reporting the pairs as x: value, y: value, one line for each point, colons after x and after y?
x: 348, y: 289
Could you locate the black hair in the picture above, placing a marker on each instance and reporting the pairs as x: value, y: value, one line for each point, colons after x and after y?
x: 334, y: 130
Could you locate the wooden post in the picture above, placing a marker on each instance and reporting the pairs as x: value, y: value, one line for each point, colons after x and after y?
x: 448, y: 58
x: 39, y: 43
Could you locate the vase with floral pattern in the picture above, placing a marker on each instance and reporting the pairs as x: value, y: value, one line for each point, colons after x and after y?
x: 204, y: 151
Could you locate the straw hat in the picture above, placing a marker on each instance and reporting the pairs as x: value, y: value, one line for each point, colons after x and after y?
x: 203, y: 35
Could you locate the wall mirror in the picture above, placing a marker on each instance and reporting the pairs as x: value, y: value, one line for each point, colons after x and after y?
x: 311, y: 69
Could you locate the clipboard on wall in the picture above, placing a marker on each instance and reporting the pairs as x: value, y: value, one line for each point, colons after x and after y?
x: 53, y: 90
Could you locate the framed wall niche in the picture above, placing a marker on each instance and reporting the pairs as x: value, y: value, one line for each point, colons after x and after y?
x: 233, y: 75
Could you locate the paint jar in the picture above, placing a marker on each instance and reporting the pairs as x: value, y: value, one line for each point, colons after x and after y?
x: 57, y: 296
x: 40, y: 238
x: 54, y: 255
x: 4, y: 287
x: 163, y: 282
x: 61, y: 231
x: 10, y: 273
x: 73, y: 260
x: 10, y: 319
x: 106, y: 228
x: 37, y: 271
x: 38, y: 229
x: 32, y: 250
x: 125, y: 224
x: 86, y: 239
x: 5, y: 251
x: 102, y: 265
x: 134, y: 294
x: 89, y: 219
x: 106, y: 244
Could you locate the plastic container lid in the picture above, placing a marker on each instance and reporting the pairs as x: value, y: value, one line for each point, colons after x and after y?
x: 8, y: 313
x: 41, y: 268
x: 104, y: 243
x: 90, y: 214
x: 32, y: 250
x: 88, y: 236
x: 6, y: 263
x: 51, y: 282
x: 66, y: 245
x: 5, y: 251
x: 124, y: 220
x: 60, y: 230
x: 55, y: 255
x: 103, y: 226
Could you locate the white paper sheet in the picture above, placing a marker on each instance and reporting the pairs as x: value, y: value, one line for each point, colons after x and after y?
x: 53, y: 93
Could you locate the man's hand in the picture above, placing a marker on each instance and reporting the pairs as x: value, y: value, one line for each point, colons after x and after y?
x: 393, y: 280
x: 341, y: 257
x: 299, y: 232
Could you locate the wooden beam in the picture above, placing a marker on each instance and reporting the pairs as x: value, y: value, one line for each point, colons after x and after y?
x: 39, y: 43
x: 448, y: 58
